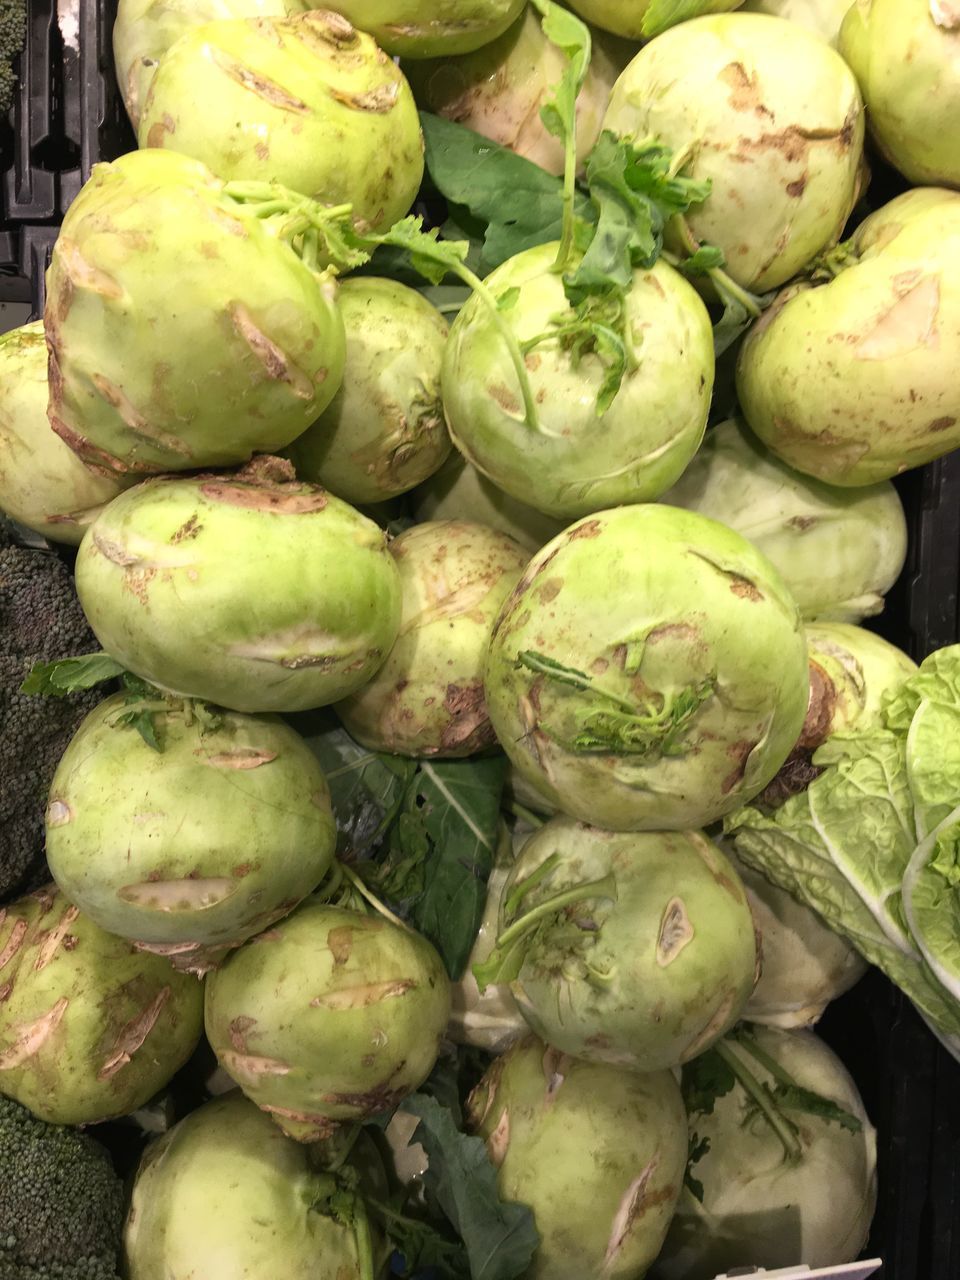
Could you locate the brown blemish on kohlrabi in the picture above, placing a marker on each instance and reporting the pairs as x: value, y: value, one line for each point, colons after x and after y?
x: 745, y: 91
x: 189, y: 529
x: 469, y: 723
x: 132, y: 1036
x: 266, y: 484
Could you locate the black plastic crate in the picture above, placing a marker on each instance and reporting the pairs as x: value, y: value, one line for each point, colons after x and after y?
x: 69, y: 115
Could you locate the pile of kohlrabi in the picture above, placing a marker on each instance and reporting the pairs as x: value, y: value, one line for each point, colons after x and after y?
x: 472, y: 425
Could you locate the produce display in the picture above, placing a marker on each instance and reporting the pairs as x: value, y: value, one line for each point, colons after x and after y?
x: 451, y: 757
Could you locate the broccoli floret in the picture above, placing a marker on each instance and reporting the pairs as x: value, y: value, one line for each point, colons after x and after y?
x: 13, y: 36
x: 61, y: 1203
x: 40, y: 620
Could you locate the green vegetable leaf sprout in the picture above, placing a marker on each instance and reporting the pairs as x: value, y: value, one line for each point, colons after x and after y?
x: 618, y: 725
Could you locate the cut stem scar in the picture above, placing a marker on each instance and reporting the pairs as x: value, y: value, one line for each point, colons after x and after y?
x: 604, y: 888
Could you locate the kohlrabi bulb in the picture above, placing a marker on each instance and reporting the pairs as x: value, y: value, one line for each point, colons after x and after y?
x: 649, y: 671
x: 771, y: 116
x: 839, y: 550
x: 906, y: 56
x: 274, y: 595
x: 821, y: 373
x: 595, y: 1153
x: 306, y: 101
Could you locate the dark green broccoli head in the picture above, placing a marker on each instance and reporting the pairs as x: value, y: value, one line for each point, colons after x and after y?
x: 61, y: 1203
x: 13, y: 35
x: 40, y: 620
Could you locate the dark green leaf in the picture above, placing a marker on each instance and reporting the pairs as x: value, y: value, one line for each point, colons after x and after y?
x: 706, y: 1079
x: 457, y: 809
x: 697, y: 1148
x: 518, y: 203
x: 57, y: 679
x: 367, y: 789
x: 500, y: 1237
x: 424, y: 1250
x: 424, y: 833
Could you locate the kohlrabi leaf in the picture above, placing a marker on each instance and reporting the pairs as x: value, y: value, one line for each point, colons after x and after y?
x: 450, y: 824
x: 422, y: 834
x: 704, y: 1080
x: 788, y: 1093
x: 500, y: 1237
x: 519, y: 204
x: 367, y: 789
x: 432, y: 257
x: 635, y: 193
x: 421, y: 1250
x: 504, y: 963
x: 792, y: 1097
x: 67, y: 675
x: 697, y: 1148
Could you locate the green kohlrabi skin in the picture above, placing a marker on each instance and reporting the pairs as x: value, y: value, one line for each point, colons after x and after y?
x: 821, y: 17
x: 850, y: 381
x: 649, y: 671
x: 431, y: 28
x: 498, y: 91
x: 427, y: 698
x: 329, y: 1016
x: 458, y: 491
x: 644, y: 980
x: 90, y: 1028
x: 597, y: 1154
x: 805, y: 964
x: 306, y: 101
x: 575, y: 461
x: 190, y: 850
x: 225, y: 1193
x: 906, y: 56
x: 43, y: 484
x: 183, y: 332
x: 771, y: 116
x: 145, y: 29
x: 757, y: 1204
x: 383, y: 432
x: 839, y: 550
x: 638, y: 19
x: 249, y: 590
